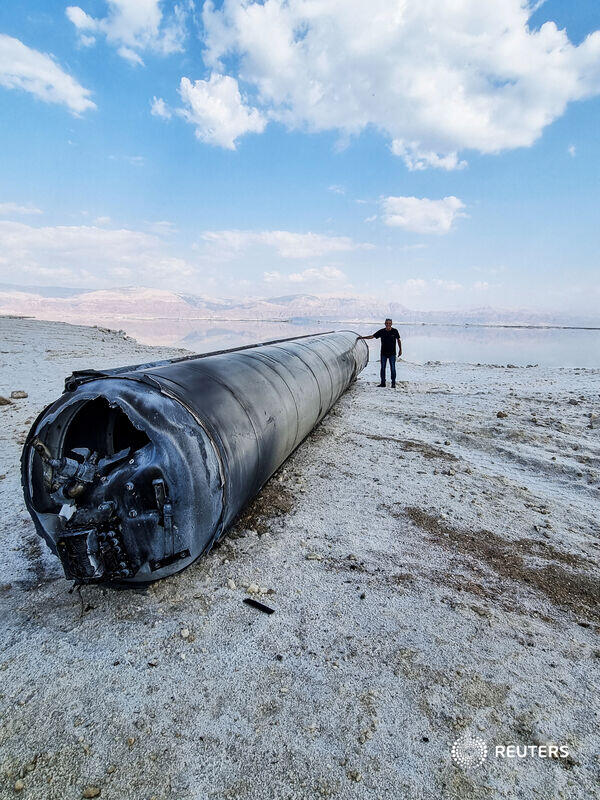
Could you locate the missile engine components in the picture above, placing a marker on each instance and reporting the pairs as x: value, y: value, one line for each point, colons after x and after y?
x: 134, y: 472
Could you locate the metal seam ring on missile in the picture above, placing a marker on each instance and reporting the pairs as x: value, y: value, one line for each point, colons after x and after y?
x: 134, y: 472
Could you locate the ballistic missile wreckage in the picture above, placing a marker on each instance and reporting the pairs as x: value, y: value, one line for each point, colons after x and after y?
x: 134, y: 472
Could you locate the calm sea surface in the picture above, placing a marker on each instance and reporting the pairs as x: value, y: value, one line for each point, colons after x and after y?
x: 557, y: 347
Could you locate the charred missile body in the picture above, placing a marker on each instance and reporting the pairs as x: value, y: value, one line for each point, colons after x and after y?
x: 134, y: 472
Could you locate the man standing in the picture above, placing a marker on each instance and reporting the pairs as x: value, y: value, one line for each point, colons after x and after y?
x: 389, y: 336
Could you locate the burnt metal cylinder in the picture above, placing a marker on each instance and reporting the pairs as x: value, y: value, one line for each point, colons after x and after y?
x: 134, y: 472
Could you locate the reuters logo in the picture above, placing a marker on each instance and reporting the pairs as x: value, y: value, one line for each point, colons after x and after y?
x: 469, y: 751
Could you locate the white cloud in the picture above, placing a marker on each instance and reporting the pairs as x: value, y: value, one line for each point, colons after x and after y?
x: 422, y: 215
x: 329, y: 274
x: 311, y: 275
x: 86, y: 254
x: 134, y: 26
x: 572, y: 150
x: 135, y: 161
x: 272, y: 277
x: 218, y: 111
x: 82, y: 22
x: 159, y: 108
x: 435, y: 77
x: 163, y: 227
x: 21, y: 67
x: 337, y: 189
x: 12, y: 209
x: 450, y: 286
x: 130, y: 55
x: 417, y: 159
x: 312, y: 279
x: 102, y: 221
x: 286, y: 243
x: 439, y: 292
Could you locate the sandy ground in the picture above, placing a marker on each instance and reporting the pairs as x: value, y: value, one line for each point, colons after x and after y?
x: 433, y: 569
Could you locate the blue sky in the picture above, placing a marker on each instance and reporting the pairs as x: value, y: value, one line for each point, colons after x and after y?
x: 439, y: 155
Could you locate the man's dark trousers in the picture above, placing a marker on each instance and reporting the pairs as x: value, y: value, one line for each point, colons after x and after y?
x: 392, y: 360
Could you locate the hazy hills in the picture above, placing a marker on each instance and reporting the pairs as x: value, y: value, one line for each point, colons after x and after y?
x: 56, y: 303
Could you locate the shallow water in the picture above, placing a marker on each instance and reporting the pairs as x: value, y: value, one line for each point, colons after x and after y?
x: 555, y: 347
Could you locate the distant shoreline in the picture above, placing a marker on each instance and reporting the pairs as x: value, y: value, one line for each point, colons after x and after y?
x: 318, y: 320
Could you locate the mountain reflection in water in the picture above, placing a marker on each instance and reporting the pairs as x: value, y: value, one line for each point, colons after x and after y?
x: 558, y: 347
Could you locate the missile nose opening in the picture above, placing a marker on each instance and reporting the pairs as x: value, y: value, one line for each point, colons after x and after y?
x: 78, y: 448
x: 101, y: 428
x: 98, y: 486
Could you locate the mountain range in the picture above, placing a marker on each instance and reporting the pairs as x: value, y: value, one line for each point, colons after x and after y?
x: 92, y: 307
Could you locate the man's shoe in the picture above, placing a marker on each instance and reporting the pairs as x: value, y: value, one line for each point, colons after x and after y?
x: 381, y: 384
x: 393, y: 385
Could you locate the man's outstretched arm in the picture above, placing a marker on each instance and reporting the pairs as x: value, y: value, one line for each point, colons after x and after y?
x: 367, y: 337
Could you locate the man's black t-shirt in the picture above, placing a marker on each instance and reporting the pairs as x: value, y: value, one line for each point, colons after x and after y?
x: 388, y: 340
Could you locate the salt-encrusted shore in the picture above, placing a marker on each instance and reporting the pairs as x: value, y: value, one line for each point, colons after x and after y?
x: 434, y: 570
